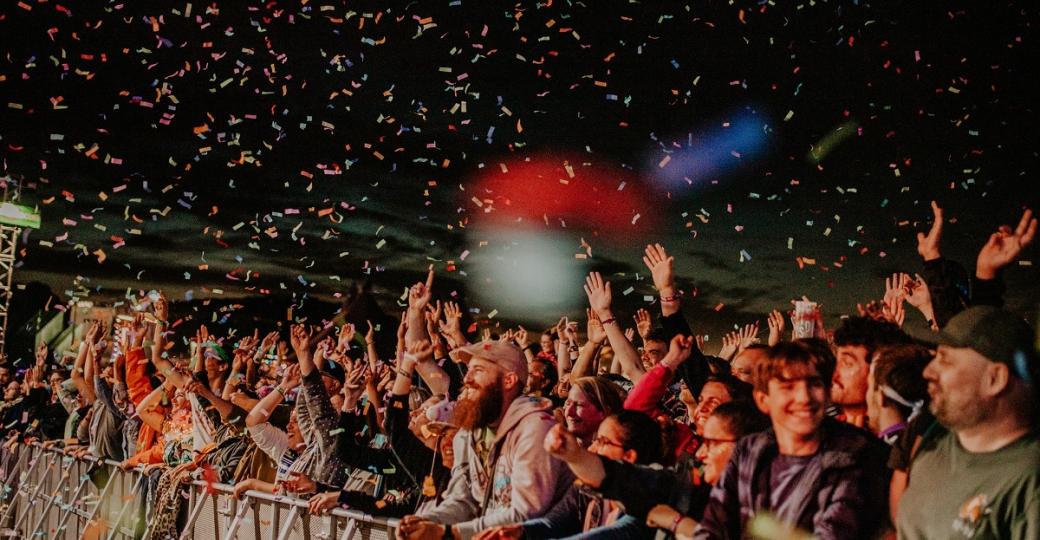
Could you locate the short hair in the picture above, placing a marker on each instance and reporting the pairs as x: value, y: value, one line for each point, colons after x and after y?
x: 741, y: 418
x: 796, y: 358
x: 656, y: 334
x: 641, y: 434
x: 606, y: 396
x: 901, y: 368
x: 869, y: 333
x: 824, y: 353
x: 738, y: 389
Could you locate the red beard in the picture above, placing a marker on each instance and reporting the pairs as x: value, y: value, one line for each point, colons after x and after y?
x: 481, y: 410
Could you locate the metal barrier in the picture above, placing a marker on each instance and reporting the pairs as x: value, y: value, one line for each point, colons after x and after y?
x: 47, y: 494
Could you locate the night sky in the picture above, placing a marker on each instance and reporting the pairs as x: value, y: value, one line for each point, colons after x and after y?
x: 292, y: 148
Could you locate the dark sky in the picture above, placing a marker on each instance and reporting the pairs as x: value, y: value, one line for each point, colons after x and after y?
x: 290, y: 148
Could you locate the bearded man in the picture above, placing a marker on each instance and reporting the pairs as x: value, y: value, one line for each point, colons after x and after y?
x: 502, y: 473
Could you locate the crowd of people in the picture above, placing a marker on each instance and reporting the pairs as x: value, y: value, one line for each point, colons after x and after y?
x: 865, y: 431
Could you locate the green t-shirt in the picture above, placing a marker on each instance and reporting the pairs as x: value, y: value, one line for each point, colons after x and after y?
x: 954, y: 493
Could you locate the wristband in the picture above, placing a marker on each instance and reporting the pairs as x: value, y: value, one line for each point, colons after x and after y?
x: 673, y: 298
x: 280, y: 390
x: 611, y: 320
x: 675, y: 523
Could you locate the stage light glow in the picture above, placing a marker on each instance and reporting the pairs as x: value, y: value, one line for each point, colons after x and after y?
x: 524, y: 274
x: 710, y: 153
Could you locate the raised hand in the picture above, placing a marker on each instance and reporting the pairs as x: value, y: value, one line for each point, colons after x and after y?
x: 521, y: 337
x: 420, y: 293
x: 643, y: 323
x: 747, y: 336
x: 918, y: 295
x: 291, y: 378
x: 630, y: 333
x: 93, y: 335
x: 1004, y: 246
x: 417, y: 353
x: 895, y: 288
x: 594, y: 328
x: 678, y: 351
x: 452, y: 318
x: 357, y: 378
x: 660, y: 265
x: 894, y: 313
x: 270, y: 340
x: 599, y: 295
x: 729, y: 345
x: 346, y: 333
x: 300, y: 339
x: 161, y: 308
x: 928, y: 244
x: 776, y: 327
x: 41, y: 354
x: 370, y: 336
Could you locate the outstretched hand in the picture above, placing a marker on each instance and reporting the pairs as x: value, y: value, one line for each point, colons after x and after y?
x: 1004, y: 246
x: 599, y: 294
x: 928, y: 244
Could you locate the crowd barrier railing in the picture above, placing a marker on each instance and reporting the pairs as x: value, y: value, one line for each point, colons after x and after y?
x: 48, y: 494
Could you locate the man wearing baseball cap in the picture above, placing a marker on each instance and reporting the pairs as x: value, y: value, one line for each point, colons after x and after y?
x: 502, y: 473
x: 976, y: 473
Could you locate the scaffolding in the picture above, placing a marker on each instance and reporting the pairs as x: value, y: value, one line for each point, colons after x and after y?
x: 8, y: 255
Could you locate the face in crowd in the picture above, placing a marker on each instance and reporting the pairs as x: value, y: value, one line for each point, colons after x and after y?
x: 961, y: 385
x: 546, y: 343
x: 743, y: 364
x: 582, y: 415
x: 795, y: 399
x: 610, y: 442
x: 712, y: 395
x: 537, y: 381
x: 717, y: 444
x: 653, y: 352
x: 483, y: 395
x: 849, y: 384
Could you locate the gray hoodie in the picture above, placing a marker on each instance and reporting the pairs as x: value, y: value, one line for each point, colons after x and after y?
x: 526, y: 482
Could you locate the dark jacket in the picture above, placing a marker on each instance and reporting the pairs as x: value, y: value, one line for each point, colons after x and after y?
x: 843, y: 492
x: 404, y: 464
x: 640, y: 487
x: 567, y: 519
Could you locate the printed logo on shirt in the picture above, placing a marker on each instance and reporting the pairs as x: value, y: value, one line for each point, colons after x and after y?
x: 970, y: 515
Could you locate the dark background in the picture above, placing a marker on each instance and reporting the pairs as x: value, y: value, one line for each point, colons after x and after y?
x: 227, y: 117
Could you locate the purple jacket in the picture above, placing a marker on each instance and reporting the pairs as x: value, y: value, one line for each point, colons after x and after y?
x: 843, y: 492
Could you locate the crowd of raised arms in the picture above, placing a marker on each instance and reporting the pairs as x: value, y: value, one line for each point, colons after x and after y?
x: 595, y: 430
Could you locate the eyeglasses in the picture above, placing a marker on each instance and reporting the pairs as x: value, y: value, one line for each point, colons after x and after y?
x: 710, y: 443
x: 603, y: 441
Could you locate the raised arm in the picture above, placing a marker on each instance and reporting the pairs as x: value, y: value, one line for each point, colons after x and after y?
x: 600, y: 299
x: 418, y: 297
x: 452, y: 325
x: 1005, y: 246
x: 79, y: 368
x: 163, y: 365
x: 261, y: 412
x: 585, y: 364
x: 660, y: 265
x: 928, y: 244
x: 300, y: 339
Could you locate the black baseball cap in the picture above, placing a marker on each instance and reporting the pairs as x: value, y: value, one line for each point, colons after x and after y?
x: 997, y: 334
